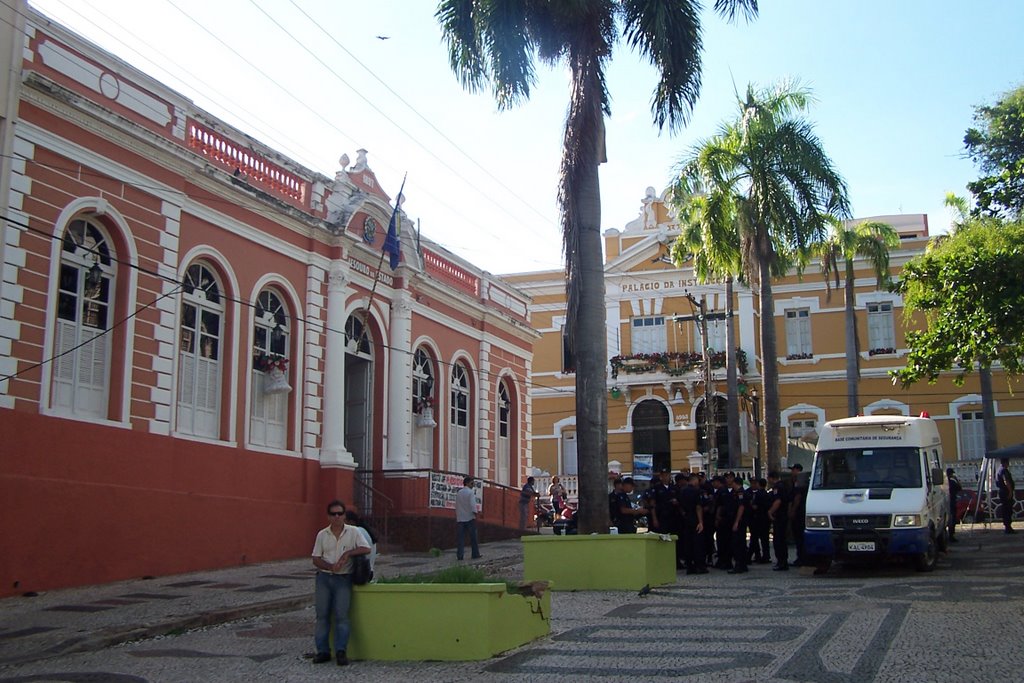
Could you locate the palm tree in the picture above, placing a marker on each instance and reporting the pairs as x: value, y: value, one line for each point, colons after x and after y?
x: 494, y: 44
x: 767, y: 178
x: 715, y: 253
x: 869, y: 240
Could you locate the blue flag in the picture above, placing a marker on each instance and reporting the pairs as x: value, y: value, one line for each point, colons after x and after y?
x: 392, y: 243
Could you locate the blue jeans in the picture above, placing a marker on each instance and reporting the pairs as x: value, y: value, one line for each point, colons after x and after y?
x: 461, y: 528
x: 333, y: 596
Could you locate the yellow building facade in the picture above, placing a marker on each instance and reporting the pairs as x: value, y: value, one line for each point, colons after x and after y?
x: 656, y: 376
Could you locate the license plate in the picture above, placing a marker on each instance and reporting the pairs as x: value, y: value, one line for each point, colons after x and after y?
x: 862, y: 547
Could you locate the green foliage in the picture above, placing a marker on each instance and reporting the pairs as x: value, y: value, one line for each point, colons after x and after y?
x: 455, y: 574
x: 436, y: 552
x: 674, y: 363
x: 968, y: 286
x: 997, y: 146
x: 460, y: 574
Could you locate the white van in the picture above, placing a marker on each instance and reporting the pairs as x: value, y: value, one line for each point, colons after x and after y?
x: 877, y: 490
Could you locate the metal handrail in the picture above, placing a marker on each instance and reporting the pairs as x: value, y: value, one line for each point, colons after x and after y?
x: 389, y: 505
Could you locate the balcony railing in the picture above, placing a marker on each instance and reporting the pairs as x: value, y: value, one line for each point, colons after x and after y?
x: 673, y: 363
x: 444, y: 270
x: 244, y: 163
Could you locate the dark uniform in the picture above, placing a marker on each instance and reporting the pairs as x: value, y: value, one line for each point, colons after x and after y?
x: 725, y: 517
x: 760, y: 501
x: 954, y: 492
x: 693, y: 547
x: 660, y: 497
x: 780, y: 524
x: 738, y: 527
x: 707, y: 502
x: 1004, y: 481
x: 626, y: 524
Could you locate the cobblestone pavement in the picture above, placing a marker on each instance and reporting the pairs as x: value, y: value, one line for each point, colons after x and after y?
x: 856, y: 624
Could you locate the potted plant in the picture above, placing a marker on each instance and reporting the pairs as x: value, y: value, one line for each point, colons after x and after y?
x: 424, y: 409
x: 458, y: 614
x: 275, y: 367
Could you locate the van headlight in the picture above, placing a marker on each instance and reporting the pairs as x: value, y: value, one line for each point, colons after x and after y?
x: 906, y: 520
x: 817, y: 521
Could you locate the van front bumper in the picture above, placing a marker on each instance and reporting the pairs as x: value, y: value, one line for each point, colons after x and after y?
x: 836, y: 543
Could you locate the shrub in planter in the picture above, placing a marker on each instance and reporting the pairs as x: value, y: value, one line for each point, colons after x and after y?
x: 455, y: 615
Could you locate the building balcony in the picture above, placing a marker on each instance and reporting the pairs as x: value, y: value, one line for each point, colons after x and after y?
x: 660, y: 366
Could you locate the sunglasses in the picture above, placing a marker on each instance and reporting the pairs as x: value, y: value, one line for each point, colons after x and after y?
x: 336, y: 514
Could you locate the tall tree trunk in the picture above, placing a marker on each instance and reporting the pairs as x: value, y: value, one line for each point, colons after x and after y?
x: 852, y: 350
x: 733, y: 406
x: 580, y: 198
x: 988, y: 409
x: 591, y: 370
x: 769, y: 363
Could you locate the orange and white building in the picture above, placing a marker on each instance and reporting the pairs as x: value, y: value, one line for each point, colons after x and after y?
x: 199, y: 345
x: 656, y: 383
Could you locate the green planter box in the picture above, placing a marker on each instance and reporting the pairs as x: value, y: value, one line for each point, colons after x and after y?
x: 443, y: 621
x: 600, y: 561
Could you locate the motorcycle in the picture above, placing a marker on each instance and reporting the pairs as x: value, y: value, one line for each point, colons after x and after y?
x: 544, y: 516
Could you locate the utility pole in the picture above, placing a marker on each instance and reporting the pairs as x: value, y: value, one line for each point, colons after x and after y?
x: 701, y: 317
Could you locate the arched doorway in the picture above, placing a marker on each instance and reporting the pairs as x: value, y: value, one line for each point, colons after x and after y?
x: 720, y: 421
x: 650, y: 433
x: 359, y: 392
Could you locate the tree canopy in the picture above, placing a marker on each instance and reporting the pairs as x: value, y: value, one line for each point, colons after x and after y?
x: 968, y: 286
x: 996, y: 144
x: 493, y: 44
x: 758, y: 194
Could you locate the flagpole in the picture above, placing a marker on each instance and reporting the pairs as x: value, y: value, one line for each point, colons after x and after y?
x: 380, y: 264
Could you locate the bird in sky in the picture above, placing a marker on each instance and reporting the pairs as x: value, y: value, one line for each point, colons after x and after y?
x: 383, y: 37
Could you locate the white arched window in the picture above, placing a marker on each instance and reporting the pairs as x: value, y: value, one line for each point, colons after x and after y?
x: 503, y: 453
x: 268, y: 420
x: 85, y: 297
x: 458, y: 420
x: 424, y: 404
x: 199, y: 353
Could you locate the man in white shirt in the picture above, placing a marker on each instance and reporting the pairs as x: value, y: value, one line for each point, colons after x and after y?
x: 465, y: 519
x: 333, y: 550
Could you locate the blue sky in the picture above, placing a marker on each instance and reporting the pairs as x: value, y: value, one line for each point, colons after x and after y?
x: 895, y: 83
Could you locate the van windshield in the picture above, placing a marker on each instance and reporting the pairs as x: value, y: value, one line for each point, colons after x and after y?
x: 847, y: 468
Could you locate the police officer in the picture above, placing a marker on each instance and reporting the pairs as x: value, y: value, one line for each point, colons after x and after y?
x: 692, y: 523
x: 798, y: 510
x: 660, y: 499
x: 954, y: 492
x: 707, y: 504
x: 741, y: 505
x: 620, y: 506
x: 778, y: 516
x: 725, y: 516
x: 760, y: 501
x: 1004, y: 481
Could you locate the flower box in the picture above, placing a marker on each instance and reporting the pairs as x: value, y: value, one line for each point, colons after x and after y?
x: 444, y: 621
x: 600, y: 561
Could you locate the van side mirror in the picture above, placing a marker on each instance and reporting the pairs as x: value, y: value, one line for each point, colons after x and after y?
x: 937, y: 476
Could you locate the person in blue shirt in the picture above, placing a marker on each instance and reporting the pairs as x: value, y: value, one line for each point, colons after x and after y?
x: 620, y: 506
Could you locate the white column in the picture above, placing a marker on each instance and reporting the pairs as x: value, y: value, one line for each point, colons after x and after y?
x: 399, y: 448
x: 333, y: 452
x: 486, y: 463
